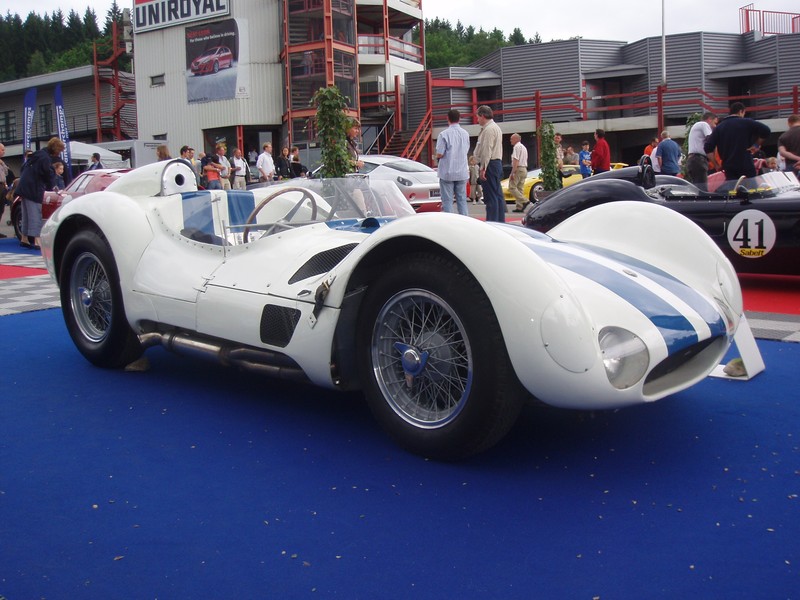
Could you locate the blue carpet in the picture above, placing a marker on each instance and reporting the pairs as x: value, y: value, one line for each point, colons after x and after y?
x: 196, y: 481
x: 11, y: 244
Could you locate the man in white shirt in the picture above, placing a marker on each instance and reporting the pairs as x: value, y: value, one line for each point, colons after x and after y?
x: 697, y: 161
x: 240, y: 168
x: 519, y: 172
x: 452, y: 147
x: 225, y: 173
x: 265, y: 164
x: 489, y: 154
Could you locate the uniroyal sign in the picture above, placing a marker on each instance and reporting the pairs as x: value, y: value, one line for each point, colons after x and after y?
x: 156, y: 14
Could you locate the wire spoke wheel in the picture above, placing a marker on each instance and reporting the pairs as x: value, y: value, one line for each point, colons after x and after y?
x: 422, y: 358
x: 90, y: 296
x: 92, y: 302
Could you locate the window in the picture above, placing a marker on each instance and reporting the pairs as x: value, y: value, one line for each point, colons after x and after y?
x: 8, y: 125
x: 157, y: 80
x: 45, y: 119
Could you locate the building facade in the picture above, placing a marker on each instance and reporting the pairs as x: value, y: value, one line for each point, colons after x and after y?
x: 244, y: 73
x: 582, y: 84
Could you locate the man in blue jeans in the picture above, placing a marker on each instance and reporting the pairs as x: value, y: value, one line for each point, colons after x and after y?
x: 489, y: 154
x: 452, y: 147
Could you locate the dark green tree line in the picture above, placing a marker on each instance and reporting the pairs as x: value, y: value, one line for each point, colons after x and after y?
x: 52, y: 42
x: 448, y: 46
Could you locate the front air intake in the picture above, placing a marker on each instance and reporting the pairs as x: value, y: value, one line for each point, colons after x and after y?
x: 278, y: 324
x: 322, y: 262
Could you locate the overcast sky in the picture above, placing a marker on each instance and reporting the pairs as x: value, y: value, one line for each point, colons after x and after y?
x: 624, y: 21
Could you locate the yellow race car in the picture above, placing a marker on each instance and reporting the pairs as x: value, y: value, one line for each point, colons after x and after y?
x: 534, y: 186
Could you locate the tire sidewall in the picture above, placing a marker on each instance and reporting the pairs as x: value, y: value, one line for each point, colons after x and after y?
x: 120, y: 346
x: 468, y: 432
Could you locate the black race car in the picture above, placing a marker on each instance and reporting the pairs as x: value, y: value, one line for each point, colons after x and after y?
x: 755, y: 221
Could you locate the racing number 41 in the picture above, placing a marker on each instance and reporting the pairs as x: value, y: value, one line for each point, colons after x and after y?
x: 742, y: 234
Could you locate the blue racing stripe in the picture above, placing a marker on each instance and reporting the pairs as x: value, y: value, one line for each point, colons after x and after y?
x: 689, y: 295
x: 240, y: 206
x: 676, y: 329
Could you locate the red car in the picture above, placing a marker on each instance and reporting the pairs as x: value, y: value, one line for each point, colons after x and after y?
x: 212, y: 60
x: 85, y: 183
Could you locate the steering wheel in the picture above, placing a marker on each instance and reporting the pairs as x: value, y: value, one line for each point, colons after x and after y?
x: 284, y: 222
x: 647, y: 176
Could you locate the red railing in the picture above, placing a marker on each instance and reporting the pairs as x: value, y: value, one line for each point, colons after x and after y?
x: 420, y: 138
x: 538, y: 106
x: 768, y: 21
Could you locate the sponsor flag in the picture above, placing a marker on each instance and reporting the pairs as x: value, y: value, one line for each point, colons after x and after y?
x: 63, y: 132
x: 29, y: 107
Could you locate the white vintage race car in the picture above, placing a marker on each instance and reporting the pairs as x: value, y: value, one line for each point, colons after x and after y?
x: 445, y: 322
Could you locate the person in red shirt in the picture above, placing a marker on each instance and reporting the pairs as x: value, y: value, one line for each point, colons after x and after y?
x: 601, y: 154
x: 648, y: 150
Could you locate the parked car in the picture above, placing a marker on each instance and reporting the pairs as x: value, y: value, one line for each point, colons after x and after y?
x: 756, y: 222
x: 419, y: 183
x: 534, y: 185
x: 212, y: 60
x: 85, y: 183
x: 445, y: 323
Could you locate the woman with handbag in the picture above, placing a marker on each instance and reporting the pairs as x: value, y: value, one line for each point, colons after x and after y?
x: 36, y: 177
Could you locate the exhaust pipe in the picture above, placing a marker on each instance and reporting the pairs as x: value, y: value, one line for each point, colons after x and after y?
x: 252, y: 359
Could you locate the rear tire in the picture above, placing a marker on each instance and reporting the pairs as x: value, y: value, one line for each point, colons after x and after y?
x: 432, y: 359
x: 91, y: 300
x: 16, y: 221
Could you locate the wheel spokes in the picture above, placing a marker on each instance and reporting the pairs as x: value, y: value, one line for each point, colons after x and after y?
x: 422, y: 358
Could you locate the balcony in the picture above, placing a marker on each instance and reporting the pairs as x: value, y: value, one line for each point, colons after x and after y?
x: 376, y: 44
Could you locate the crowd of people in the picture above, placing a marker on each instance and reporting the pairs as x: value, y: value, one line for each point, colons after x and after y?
x: 218, y: 171
x: 732, y: 145
x: 476, y: 176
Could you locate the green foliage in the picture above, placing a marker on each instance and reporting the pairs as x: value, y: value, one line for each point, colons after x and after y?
x: 548, y: 161
x: 447, y: 46
x: 37, y: 65
x: 82, y: 54
x: 331, y: 123
x: 44, y: 44
x: 690, y: 120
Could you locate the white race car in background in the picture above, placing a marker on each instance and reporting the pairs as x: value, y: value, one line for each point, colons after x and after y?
x: 445, y: 322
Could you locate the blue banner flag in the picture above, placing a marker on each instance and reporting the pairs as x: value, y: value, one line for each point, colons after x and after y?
x: 29, y: 107
x: 63, y: 131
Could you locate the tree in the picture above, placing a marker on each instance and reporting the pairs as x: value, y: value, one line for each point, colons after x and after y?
x: 331, y: 123
x: 90, y: 28
x: 548, y: 160
x: 516, y: 38
x: 37, y: 65
x: 74, y: 33
x: 114, y: 14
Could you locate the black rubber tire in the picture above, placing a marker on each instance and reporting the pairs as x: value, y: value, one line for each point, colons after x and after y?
x: 91, y: 301
x: 16, y: 221
x: 467, y: 366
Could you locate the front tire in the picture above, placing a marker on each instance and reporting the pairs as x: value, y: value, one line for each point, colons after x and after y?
x: 91, y: 300
x: 433, y: 361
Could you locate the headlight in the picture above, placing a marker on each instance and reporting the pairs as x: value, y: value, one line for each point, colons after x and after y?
x: 625, y: 356
x: 404, y: 181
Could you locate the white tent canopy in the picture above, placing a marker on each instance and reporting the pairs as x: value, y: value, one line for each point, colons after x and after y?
x: 83, y: 152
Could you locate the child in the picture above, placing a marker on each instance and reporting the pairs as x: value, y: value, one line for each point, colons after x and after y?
x: 475, y: 189
x: 585, y: 160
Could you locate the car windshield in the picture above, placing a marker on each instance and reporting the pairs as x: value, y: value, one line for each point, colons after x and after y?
x: 304, y: 201
x: 408, y: 166
x: 767, y: 185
